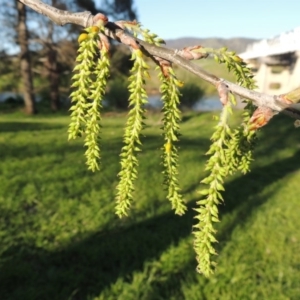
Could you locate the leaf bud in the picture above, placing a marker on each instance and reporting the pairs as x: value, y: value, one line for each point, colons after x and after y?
x: 82, y: 37
x: 94, y: 29
x: 168, y: 147
x: 100, y: 20
x: 237, y: 58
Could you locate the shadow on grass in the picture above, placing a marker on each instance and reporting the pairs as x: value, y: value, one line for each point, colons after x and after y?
x: 17, y: 126
x: 242, y: 195
x: 90, y: 265
x: 113, y: 146
x: 242, y: 198
x: 87, y: 267
x: 189, y: 116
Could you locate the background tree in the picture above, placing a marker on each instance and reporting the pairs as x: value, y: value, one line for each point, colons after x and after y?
x: 190, y: 93
x: 25, y: 64
x: 53, y: 47
x: 48, y: 39
x: 118, y: 9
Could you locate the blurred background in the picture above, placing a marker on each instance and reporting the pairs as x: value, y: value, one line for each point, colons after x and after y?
x: 59, y: 235
x: 37, y: 57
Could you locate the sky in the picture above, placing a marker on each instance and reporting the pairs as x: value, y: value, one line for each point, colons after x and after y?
x: 260, y: 19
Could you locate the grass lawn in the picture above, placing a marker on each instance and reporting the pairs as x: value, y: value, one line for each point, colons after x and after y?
x: 60, y: 238
x: 207, y: 64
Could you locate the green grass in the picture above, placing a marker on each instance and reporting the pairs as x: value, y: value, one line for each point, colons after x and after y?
x: 60, y: 238
x: 207, y: 64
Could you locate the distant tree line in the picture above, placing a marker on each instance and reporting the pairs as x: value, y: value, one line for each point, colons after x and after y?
x: 38, y: 57
x: 46, y: 52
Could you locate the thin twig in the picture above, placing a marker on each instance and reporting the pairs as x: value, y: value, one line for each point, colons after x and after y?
x: 58, y: 16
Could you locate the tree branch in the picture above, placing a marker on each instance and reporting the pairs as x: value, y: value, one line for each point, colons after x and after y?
x: 277, y: 103
x: 58, y: 16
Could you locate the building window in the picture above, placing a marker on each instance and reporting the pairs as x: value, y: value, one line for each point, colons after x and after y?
x: 274, y: 86
x: 277, y: 69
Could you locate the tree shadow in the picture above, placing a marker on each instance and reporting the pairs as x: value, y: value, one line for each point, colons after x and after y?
x: 189, y: 116
x: 103, y: 257
x: 113, y: 146
x: 18, y: 126
x: 281, y: 126
x: 243, y: 197
x: 243, y: 193
x: 88, y: 266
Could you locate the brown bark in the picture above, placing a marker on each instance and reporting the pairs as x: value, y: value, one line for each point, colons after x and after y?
x: 53, y: 76
x: 25, y: 65
x: 52, y: 66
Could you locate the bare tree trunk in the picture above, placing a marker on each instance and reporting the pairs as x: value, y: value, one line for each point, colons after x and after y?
x: 25, y: 65
x: 52, y: 66
x: 53, y: 75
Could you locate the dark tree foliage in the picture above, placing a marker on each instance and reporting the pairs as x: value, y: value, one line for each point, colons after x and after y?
x: 119, y: 9
x: 46, y: 43
x: 190, y: 93
x: 120, y: 61
x: 115, y: 9
x: 88, y: 5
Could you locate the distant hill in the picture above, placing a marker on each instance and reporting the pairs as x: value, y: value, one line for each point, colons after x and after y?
x: 236, y: 44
